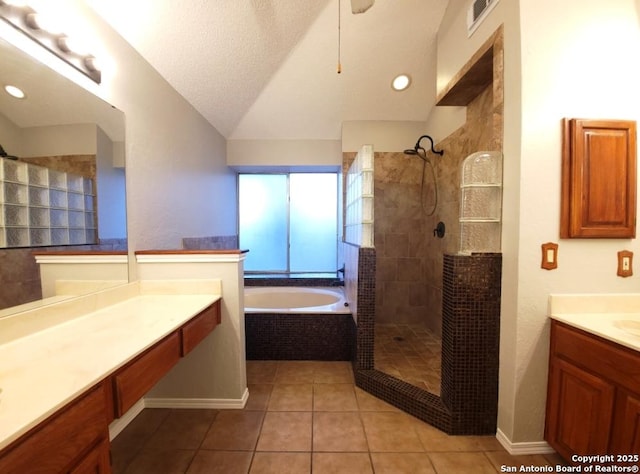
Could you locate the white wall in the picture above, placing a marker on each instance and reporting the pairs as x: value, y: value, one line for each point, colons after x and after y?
x: 110, y: 184
x: 562, y: 59
x: 384, y: 135
x: 76, y: 139
x: 284, y: 153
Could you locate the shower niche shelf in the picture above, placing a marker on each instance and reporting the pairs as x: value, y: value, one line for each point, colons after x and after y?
x: 481, y: 202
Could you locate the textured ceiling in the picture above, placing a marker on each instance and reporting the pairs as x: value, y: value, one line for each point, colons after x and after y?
x: 266, y: 69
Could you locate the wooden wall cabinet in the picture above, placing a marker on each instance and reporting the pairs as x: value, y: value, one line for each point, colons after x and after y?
x: 598, y: 179
x: 593, y: 398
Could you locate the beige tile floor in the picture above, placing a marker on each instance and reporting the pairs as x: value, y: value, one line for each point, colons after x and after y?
x: 303, y: 417
x: 410, y: 352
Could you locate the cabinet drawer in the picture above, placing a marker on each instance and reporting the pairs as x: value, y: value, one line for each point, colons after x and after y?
x: 199, y: 327
x: 60, y: 441
x: 614, y: 362
x: 135, y: 379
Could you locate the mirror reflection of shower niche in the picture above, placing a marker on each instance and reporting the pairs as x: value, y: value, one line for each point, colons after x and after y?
x: 41, y: 206
x: 481, y: 203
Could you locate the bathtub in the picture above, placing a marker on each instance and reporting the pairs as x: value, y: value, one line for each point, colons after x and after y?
x: 297, y: 323
x: 295, y: 299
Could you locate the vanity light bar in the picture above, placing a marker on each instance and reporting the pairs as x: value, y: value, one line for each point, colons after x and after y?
x: 25, y: 19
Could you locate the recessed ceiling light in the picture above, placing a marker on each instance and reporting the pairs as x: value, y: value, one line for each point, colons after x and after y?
x: 14, y: 91
x: 401, y: 82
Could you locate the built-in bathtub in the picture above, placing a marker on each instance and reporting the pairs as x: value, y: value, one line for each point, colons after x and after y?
x: 298, y: 323
x: 291, y: 299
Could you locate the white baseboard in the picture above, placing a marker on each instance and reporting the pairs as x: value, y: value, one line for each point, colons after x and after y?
x: 534, y: 447
x: 121, y: 423
x: 216, y: 403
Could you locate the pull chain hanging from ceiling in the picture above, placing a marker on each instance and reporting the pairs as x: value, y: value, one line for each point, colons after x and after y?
x: 339, y: 65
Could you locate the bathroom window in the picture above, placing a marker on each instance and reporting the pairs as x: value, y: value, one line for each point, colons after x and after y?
x: 289, y: 222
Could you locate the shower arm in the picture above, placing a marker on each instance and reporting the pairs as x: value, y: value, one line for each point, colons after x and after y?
x: 433, y: 150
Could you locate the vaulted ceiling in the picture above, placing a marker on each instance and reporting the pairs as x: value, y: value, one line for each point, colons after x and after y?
x: 267, y: 69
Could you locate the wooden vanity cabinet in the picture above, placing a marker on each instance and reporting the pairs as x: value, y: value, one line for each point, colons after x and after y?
x: 593, y: 398
x: 75, y: 439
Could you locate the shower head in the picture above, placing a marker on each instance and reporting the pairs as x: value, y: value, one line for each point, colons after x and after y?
x: 415, y: 149
x: 4, y: 154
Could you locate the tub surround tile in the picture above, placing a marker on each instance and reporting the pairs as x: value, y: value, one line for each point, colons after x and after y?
x: 294, y: 336
x: 278, y: 280
x: 214, y: 242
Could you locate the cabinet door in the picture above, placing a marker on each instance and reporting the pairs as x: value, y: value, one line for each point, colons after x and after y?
x: 626, y: 432
x: 598, y: 179
x: 97, y: 461
x: 579, y: 411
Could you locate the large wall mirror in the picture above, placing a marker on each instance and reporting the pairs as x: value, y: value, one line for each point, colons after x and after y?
x: 62, y: 176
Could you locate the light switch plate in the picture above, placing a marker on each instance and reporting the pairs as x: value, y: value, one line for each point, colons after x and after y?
x: 625, y: 263
x: 549, y: 256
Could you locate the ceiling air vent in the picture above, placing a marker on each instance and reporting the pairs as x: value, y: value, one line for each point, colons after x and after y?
x: 478, y: 10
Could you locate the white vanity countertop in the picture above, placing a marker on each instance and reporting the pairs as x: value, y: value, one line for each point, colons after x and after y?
x: 615, y: 317
x: 45, y: 370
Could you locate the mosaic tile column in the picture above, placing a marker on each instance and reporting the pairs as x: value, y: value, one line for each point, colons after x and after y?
x: 471, y: 340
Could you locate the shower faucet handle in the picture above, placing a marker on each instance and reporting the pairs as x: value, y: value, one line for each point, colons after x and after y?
x: 439, y: 230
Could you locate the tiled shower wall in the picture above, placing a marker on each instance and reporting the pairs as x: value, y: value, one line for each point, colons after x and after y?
x: 409, y: 257
x: 213, y: 242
